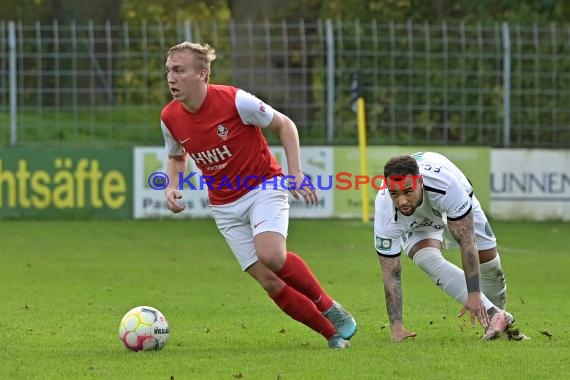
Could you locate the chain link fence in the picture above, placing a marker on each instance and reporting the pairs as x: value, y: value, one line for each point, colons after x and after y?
x: 447, y: 84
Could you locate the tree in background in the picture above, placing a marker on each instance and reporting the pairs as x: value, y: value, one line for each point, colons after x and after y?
x: 287, y: 72
x: 62, y: 11
x: 169, y: 12
x: 283, y: 80
x: 450, y: 10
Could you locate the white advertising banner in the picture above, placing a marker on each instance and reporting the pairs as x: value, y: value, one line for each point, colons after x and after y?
x: 148, y: 186
x: 318, y: 165
x: 150, y: 173
x: 530, y: 184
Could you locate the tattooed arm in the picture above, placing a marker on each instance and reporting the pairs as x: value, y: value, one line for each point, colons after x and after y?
x: 463, y: 231
x: 392, y: 276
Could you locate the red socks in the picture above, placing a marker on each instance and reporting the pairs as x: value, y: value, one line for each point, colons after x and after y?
x: 301, y: 309
x: 297, y: 274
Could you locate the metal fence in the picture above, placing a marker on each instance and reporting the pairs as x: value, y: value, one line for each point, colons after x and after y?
x: 451, y: 83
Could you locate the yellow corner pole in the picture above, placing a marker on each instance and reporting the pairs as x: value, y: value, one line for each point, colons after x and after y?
x: 363, y: 161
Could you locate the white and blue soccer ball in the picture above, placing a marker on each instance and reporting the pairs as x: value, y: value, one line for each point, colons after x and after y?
x: 144, y: 328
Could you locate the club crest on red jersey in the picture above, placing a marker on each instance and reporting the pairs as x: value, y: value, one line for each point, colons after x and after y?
x: 222, y: 132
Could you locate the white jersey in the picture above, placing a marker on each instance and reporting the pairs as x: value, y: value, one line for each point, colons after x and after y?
x: 447, y: 194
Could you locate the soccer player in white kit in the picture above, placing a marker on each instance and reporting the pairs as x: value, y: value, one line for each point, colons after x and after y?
x: 427, y: 198
x: 219, y: 127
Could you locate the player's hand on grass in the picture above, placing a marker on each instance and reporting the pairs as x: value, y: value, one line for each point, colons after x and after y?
x: 399, y: 333
x: 301, y: 186
x: 172, y: 197
x: 476, y: 308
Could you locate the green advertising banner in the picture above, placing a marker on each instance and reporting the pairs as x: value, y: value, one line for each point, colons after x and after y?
x: 474, y: 162
x: 66, y: 183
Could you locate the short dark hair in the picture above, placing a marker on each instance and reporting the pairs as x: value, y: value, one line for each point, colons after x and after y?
x: 401, y: 166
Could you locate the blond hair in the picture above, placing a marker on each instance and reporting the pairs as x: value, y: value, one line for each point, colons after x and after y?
x: 204, y: 54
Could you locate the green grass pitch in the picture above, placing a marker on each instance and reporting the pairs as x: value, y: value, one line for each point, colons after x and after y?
x: 65, y: 285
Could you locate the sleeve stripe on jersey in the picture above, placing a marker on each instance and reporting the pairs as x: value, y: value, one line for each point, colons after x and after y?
x: 462, y: 216
x: 471, y: 193
x: 384, y: 255
x: 434, y: 190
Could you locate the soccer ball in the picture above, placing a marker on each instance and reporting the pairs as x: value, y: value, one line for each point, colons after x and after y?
x: 143, y: 328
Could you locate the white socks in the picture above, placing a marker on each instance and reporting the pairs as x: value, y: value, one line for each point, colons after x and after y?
x: 493, y: 282
x: 445, y: 274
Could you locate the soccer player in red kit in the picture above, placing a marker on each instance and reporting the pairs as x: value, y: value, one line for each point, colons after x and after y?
x: 219, y: 127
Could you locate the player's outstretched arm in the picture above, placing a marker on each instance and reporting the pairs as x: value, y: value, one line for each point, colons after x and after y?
x: 463, y: 232
x: 289, y: 136
x: 392, y: 277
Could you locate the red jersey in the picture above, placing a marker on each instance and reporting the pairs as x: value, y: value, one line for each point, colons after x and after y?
x: 224, y: 140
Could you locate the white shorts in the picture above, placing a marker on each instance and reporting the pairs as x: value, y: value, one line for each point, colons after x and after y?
x: 484, y: 237
x: 260, y: 210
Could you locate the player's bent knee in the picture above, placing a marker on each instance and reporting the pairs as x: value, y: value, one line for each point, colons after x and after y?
x: 424, y: 243
x: 272, y: 259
